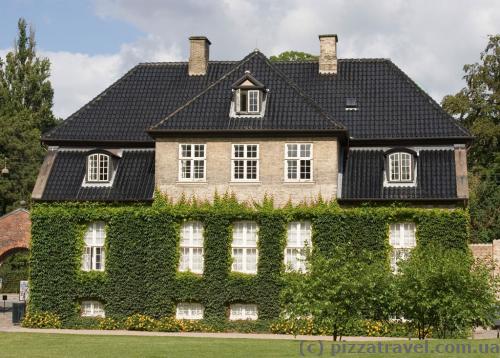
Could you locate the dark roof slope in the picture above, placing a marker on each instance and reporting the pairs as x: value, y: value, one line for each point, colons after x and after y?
x: 390, y: 104
x: 363, y: 178
x: 134, y: 178
x: 287, y: 107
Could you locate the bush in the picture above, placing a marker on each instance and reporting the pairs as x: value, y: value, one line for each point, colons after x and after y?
x: 109, y: 324
x: 41, y: 320
x: 140, y: 322
x: 168, y: 324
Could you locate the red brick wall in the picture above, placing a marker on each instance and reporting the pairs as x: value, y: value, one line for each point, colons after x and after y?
x: 15, y: 231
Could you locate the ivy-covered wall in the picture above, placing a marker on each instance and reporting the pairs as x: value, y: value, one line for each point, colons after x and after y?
x: 142, y: 252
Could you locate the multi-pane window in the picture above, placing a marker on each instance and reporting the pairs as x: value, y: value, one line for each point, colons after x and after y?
x: 93, y: 252
x: 245, y: 162
x: 92, y: 309
x: 402, y: 240
x: 240, y: 311
x: 98, y: 168
x: 248, y: 101
x: 400, y: 167
x: 187, y: 310
x: 192, y: 162
x: 298, y: 162
x: 298, y: 241
x: 191, y: 246
x: 244, y: 247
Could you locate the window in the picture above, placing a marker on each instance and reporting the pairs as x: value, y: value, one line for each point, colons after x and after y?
x: 400, y: 167
x: 243, y: 311
x: 92, y: 309
x: 298, y: 238
x: 98, y: 168
x: 351, y: 104
x: 402, y: 240
x: 244, y: 247
x: 192, y: 162
x: 298, y: 162
x: 93, y: 252
x: 245, y: 162
x: 189, y: 311
x: 248, y: 101
x: 191, y: 247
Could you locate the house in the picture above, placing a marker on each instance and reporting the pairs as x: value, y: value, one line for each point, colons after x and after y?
x: 350, y: 130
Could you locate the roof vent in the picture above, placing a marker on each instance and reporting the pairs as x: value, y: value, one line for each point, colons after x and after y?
x: 351, y: 104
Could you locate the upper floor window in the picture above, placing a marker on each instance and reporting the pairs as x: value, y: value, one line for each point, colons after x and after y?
x: 244, y: 247
x: 98, y: 168
x: 402, y: 239
x: 240, y: 311
x: 191, y: 247
x: 298, y: 241
x: 400, y: 167
x: 298, y: 162
x: 248, y: 101
x: 189, y: 310
x: 192, y: 162
x: 245, y: 162
x: 92, y: 309
x: 93, y: 252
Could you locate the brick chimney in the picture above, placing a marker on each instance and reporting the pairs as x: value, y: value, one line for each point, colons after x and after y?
x: 328, y: 54
x: 198, y: 55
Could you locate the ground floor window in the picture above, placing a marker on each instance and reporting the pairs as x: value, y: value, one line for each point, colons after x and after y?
x: 298, y: 241
x: 402, y: 239
x: 187, y: 310
x: 240, y: 311
x: 92, y: 309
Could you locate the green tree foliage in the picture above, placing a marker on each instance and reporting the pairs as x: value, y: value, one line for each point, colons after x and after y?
x: 339, y: 290
x: 25, y: 112
x: 444, y: 290
x: 477, y: 107
x: 293, y: 56
x: 14, y: 269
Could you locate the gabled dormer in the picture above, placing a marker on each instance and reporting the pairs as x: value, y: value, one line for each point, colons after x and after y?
x: 249, y: 97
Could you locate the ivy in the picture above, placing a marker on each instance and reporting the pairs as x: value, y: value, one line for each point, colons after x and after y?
x: 142, y: 252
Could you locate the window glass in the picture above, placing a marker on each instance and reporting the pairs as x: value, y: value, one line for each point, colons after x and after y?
x: 189, y: 311
x: 243, y: 312
x: 245, y: 162
x: 191, y: 247
x: 244, y: 247
x: 98, y: 168
x: 92, y: 309
x: 93, y: 251
x: 298, y: 239
x: 298, y: 162
x: 402, y: 239
x: 192, y: 162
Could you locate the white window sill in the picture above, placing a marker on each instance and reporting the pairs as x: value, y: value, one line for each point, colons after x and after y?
x: 181, y: 182
x: 246, y: 182
x: 299, y: 182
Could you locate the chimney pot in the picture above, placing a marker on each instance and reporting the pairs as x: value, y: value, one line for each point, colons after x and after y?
x: 198, y: 55
x: 328, y: 54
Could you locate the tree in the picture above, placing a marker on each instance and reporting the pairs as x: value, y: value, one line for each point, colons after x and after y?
x: 444, y: 290
x: 25, y: 112
x: 339, y: 290
x: 293, y: 56
x: 477, y: 107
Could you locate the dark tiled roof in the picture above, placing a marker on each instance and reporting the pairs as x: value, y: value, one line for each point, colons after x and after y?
x: 363, y: 177
x: 390, y: 105
x: 134, y: 178
x: 287, y: 107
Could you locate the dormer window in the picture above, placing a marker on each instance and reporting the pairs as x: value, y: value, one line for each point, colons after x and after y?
x: 98, y: 168
x: 400, y: 167
x: 249, y: 97
x: 351, y: 104
x: 248, y: 101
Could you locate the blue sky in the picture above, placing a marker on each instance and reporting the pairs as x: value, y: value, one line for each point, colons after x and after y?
x: 92, y: 43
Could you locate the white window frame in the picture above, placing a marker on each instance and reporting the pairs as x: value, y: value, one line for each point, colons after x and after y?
x: 92, y: 309
x: 249, y: 93
x: 257, y: 98
x: 191, y: 159
x: 189, y: 244
x: 189, y: 310
x: 297, y: 249
x: 245, y: 159
x: 396, y: 167
x: 246, y: 245
x: 402, y: 238
x: 243, y: 311
x: 98, y: 168
x: 297, y: 160
x: 94, y: 249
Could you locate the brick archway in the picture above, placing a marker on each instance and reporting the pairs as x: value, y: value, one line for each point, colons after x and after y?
x: 15, y: 232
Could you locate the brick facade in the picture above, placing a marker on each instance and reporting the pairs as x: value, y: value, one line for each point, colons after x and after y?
x: 488, y: 253
x: 15, y: 231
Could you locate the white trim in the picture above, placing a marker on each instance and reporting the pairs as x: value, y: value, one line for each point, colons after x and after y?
x: 245, y: 159
x: 245, y: 245
x: 249, y: 102
x: 402, y: 238
x: 243, y: 311
x: 191, y: 160
x: 414, y: 148
x: 297, y: 248
x: 92, y: 309
x: 297, y: 159
x: 98, y: 164
x: 191, y: 244
x: 189, y: 310
x: 94, y: 249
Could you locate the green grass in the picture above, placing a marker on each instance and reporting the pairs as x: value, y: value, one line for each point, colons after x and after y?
x: 59, y: 345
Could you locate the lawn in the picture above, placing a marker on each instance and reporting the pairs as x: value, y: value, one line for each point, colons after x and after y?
x: 59, y: 345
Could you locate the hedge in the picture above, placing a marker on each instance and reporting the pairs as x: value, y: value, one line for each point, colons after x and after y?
x: 142, y: 252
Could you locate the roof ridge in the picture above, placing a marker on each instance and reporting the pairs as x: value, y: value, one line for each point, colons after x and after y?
x: 431, y: 100
x: 367, y: 59
x: 90, y: 103
x: 285, y: 78
x: 167, y: 63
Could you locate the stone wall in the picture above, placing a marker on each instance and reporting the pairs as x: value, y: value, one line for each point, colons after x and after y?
x: 271, y: 167
x: 488, y: 253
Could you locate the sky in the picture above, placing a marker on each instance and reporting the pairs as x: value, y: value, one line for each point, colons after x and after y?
x: 91, y: 43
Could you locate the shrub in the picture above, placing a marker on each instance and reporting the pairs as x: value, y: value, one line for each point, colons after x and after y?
x: 168, y: 324
x: 109, y: 324
x: 140, y: 322
x: 41, y: 320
